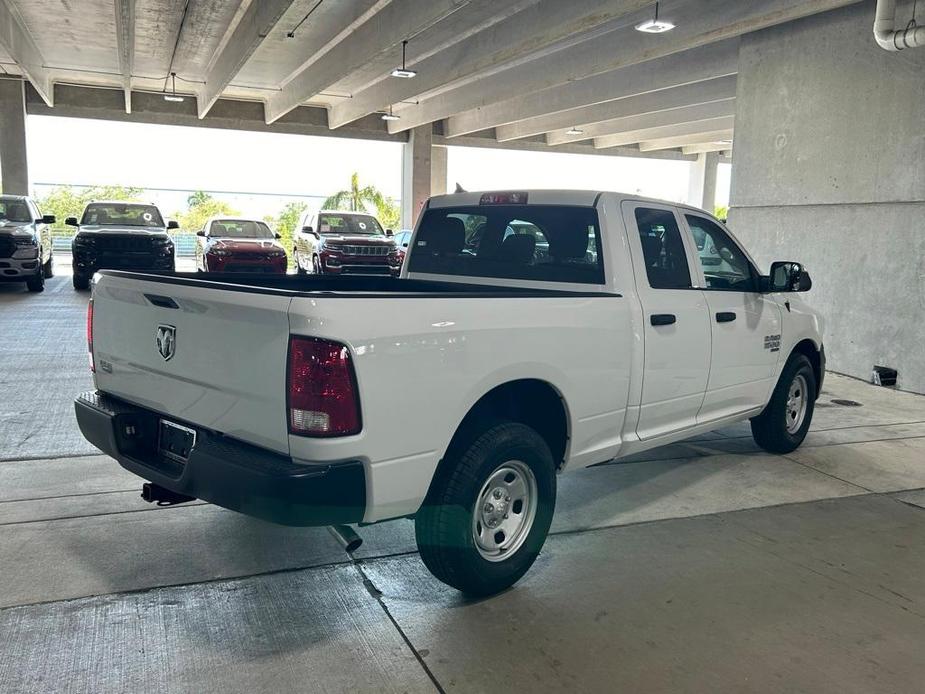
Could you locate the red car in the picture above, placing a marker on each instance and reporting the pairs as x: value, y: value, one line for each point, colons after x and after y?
x: 239, y: 245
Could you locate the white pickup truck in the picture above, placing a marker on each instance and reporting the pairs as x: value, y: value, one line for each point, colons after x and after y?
x: 530, y: 333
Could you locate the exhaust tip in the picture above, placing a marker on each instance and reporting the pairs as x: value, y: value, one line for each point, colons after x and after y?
x: 347, y: 537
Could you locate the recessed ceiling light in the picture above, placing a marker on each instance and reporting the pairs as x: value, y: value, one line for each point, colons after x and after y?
x: 655, y: 26
x: 574, y: 132
x: 723, y: 142
x: 403, y: 72
x: 173, y: 97
x: 390, y: 116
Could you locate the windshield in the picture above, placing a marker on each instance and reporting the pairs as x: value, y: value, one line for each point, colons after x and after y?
x: 14, y: 211
x: 240, y: 229
x: 122, y: 214
x: 529, y: 242
x: 349, y: 224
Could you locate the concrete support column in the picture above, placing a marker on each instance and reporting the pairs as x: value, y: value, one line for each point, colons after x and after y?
x: 14, y: 169
x: 416, y: 182
x: 438, y: 173
x: 702, y: 189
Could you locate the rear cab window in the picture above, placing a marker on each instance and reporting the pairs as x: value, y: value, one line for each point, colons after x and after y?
x: 540, y: 243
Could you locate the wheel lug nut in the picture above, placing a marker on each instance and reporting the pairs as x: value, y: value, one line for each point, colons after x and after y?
x: 489, y: 508
x: 497, y: 494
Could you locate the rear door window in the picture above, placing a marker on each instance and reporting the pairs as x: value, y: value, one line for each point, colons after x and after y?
x: 544, y: 243
x: 663, y: 249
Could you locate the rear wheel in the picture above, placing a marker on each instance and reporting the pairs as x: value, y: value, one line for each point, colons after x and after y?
x: 81, y: 283
x: 488, y: 510
x: 783, y: 425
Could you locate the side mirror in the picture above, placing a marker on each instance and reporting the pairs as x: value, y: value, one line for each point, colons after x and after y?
x: 173, y: 224
x: 308, y: 230
x: 389, y: 232
x: 277, y: 236
x: 789, y: 277
x: 71, y: 221
x: 49, y: 219
x: 201, y: 232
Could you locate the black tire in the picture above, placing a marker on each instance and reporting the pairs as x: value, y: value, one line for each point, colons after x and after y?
x: 770, y: 428
x: 36, y: 283
x: 299, y: 270
x: 81, y: 283
x: 49, y: 267
x: 444, y: 525
x: 317, y: 269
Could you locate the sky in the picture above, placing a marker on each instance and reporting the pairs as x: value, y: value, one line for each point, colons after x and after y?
x: 260, y: 172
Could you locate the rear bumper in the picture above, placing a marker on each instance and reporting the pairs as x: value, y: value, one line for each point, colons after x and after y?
x: 226, y: 472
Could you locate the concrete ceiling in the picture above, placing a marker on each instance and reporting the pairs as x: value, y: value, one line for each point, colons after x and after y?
x: 500, y: 70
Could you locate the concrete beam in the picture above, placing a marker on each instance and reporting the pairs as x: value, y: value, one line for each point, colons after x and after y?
x: 647, y: 121
x: 666, y: 131
x: 226, y: 114
x: 681, y: 141
x: 255, y: 25
x: 650, y: 102
x: 724, y: 149
x: 14, y: 166
x: 487, y: 141
x: 538, y: 30
x: 379, y: 30
x: 18, y: 42
x: 125, y: 41
x: 706, y: 63
x: 699, y: 24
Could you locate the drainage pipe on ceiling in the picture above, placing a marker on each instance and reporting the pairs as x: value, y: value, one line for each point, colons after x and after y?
x: 888, y: 36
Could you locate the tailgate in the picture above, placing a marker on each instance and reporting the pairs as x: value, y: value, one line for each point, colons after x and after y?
x: 225, y: 369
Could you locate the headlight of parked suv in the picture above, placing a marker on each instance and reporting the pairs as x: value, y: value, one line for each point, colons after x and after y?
x: 84, y: 241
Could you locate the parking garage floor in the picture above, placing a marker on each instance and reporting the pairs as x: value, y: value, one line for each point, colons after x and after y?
x: 703, y: 566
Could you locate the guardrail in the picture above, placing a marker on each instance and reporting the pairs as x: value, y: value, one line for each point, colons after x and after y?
x: 185, y: 242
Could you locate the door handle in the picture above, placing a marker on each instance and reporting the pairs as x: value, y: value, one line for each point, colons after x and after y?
x: 725, y: 317
x: 658, y: 319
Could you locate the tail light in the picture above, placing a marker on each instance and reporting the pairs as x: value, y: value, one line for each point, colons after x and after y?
x: 323, y: 398
x: 90, y: 335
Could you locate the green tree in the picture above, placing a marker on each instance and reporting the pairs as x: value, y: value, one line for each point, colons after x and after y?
x: 365, y: 199
x: 202, y: 206
x: 721, y: 213
x: 284, y: 223
x: 66, y: 201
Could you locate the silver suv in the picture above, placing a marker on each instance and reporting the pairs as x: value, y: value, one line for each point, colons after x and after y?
x: 25, y: 242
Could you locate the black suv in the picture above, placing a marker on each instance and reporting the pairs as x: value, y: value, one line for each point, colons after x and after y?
x: 120, y: 236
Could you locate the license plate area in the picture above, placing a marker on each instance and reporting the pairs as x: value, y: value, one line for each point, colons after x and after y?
x: 175, y: 441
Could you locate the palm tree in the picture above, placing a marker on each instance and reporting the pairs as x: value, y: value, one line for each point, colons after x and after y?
x: 357, y: 199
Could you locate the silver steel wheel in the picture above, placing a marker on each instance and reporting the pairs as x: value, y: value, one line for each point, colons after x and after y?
x: 504, y: 511
x: 797, y: 402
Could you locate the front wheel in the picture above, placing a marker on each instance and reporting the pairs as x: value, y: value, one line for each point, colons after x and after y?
x: 316, y: 266
x: 783, y: 425
x: 488, y: 510
x: 49, y: 267
x: 81, y: 283
x: 36, y: 283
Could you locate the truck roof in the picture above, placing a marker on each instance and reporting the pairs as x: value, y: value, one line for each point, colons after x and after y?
x: 579, y: 198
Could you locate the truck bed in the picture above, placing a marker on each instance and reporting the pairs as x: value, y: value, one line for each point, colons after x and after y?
x: 350, y: 285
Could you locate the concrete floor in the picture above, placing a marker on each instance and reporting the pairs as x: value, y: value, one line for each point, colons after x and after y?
x: 703, y: 566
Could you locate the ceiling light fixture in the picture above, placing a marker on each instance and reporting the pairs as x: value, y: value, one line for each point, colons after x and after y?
x: 655, y: 26
x: 173, y: 96
x: 403, y: 72
x: 390, y: 116
x: 574, y: 132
